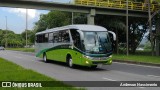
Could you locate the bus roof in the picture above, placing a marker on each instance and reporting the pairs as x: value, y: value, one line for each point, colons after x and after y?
x: 81, y: 27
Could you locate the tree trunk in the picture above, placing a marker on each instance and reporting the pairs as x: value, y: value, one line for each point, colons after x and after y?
x: 157, y: 40
x: 132, y: 37
x: 117, y: 49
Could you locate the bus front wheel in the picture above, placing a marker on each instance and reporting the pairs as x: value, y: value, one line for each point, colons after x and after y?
x: 45, y: 58
x: 70, y: 62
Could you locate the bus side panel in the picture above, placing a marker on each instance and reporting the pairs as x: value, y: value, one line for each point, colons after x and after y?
x: 61, y: 54
x: 41, y: 48
x: 57, y: 55
x: 76, y: 57
x: 53, y: 55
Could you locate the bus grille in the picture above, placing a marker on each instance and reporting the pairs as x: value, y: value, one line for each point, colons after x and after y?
x: 99, y: 58
x: 99, y: 62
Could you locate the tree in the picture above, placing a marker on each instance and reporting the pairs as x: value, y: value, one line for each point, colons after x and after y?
x: 158, y: 32
x: 30, y: 37
x: 52, y: 19
x: 58, y: 18
x: 153, y: 36
x: 41, y: 24
x: 80, y: 18
x: 137, y: 28
x: 115, y: 24
x: 13, y: 40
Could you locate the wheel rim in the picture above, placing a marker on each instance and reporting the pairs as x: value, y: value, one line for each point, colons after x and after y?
x: 44, y: 58
x: 70, y: 62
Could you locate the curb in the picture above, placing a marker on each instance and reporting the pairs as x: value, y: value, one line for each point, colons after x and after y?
x: 139, y: 63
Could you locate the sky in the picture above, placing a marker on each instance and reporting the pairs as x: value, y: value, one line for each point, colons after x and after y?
x: 16, y: 17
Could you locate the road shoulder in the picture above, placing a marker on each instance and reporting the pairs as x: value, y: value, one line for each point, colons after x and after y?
x: 135, y: 62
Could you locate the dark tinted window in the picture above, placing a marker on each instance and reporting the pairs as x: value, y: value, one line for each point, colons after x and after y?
x: 39, y: 38
x: 42, y: 38
x: 76, y: 39
x: 65, y: 36
x: 55, y: 37
x: 61, y: 36
x: 46, y: 38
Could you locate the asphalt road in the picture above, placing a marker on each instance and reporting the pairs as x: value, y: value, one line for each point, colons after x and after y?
x: 60, y: 71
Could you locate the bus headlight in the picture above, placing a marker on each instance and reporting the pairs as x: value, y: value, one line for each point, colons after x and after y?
x: 87, y: 62
x: 88, y: 57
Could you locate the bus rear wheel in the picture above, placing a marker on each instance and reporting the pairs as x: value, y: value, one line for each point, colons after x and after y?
x: 45, y: 58
x: 70, y: 62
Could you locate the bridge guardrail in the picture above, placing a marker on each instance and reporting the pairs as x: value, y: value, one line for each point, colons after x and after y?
x: 121, y: 4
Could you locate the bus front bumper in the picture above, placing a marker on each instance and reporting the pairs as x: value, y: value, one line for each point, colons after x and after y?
x: 88, y: 62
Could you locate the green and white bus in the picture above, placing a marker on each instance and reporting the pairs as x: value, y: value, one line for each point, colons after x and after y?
x: 85, y: 45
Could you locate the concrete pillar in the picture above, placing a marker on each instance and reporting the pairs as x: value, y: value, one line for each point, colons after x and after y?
x: 90, y: 17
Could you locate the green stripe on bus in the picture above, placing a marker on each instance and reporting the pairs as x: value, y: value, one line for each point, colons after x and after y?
x: 74, y: 48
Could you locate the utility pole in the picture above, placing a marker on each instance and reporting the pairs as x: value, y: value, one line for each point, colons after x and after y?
x: 26, y: 25
x: 150, y: 27
x: 6, y: 43
x: 127, y: 28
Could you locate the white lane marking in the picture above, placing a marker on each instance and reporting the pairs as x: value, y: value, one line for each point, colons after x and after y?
x: 153, y: 76
x: 108, y: 79
x: 137, y: 65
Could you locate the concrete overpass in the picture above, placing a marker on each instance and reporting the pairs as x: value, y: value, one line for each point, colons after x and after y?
x: 90, y: 10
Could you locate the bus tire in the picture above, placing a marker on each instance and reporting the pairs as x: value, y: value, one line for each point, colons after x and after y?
x: 70, y: 62
x: 45, y: 58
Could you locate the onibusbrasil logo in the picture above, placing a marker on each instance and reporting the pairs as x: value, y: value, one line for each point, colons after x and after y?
x: 21, y: 84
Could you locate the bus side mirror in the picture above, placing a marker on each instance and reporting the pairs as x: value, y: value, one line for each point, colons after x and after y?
x: 113, y: 34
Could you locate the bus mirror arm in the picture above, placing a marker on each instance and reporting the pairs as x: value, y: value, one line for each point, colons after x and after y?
x: 114, y: 35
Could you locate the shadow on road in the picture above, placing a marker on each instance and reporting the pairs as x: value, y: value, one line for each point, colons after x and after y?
x: 83, y: 68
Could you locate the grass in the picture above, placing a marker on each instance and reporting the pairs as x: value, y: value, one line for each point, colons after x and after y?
x: 138, y: 58
x: 143, y: 52
x: 12, y: 72
x: 22, y: 49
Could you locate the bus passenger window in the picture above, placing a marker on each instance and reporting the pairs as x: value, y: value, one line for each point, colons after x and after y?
x: 39, y: 39
x: 65, y: 36
x: 59, y: 37
x: 50, y: 37
x: 46, y: 38
x: 55, y: 37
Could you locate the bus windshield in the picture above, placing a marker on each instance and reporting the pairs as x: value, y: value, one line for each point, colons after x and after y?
x: 97, y: 42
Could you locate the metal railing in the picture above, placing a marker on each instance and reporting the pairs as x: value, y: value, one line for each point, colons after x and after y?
x: 121, y: 4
